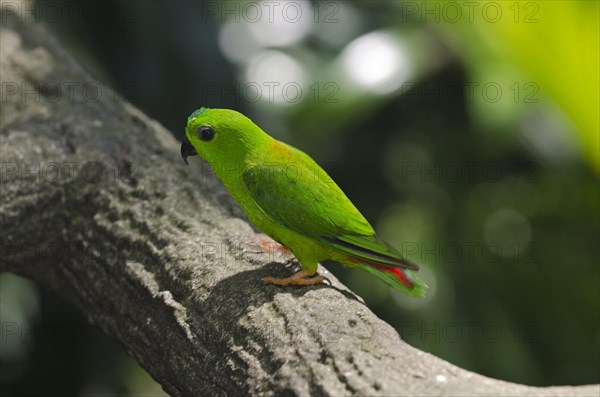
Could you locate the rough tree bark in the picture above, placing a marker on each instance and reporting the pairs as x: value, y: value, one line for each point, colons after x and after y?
x: 97, y: 204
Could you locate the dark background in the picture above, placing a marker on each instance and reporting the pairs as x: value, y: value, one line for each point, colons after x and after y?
x: 468, y: 138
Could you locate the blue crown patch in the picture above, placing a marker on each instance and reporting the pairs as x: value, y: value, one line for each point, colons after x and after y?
x: 196, y: 113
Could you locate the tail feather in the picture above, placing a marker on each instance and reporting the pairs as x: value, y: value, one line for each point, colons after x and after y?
x: 399, y: 279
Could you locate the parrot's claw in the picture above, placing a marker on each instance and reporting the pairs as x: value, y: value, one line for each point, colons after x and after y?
x: 300, y: 278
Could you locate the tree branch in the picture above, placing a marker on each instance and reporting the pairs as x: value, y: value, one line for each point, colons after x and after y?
x: 97, y: 205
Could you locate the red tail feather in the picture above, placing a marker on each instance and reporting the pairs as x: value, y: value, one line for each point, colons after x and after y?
x: 388, y: 269
x: 401, y: 276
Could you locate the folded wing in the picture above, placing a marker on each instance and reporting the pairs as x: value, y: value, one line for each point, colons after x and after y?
x: 306, y: 200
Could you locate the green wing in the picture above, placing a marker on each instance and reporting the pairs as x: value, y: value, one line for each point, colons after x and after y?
x: 303, y: 198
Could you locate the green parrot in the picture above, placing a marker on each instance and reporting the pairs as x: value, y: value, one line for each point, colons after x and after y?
x: 289, y: 197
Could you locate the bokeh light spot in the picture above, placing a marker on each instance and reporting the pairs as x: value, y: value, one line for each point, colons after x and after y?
x: 281, y: 24
x: 377, y: 61
x: 277, y: 77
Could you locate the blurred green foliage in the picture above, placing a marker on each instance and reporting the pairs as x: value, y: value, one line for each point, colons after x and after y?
x: 556, y: 44
x: 469, y: 138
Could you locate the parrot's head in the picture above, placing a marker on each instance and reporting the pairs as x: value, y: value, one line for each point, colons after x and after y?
x: 220, y: 136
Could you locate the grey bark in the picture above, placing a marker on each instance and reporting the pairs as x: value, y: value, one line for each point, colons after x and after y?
x: 97, y: 204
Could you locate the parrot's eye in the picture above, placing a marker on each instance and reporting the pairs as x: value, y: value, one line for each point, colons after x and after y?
x: 205, y: 133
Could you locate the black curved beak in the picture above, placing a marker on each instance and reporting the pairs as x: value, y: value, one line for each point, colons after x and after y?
x: 187, y: 150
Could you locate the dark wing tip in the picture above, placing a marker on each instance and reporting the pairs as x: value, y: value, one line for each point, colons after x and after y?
x: 396, y: 261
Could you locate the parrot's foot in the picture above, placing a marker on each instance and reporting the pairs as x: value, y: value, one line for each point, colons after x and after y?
x: 266, y: 244
x: 300, y: 278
